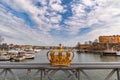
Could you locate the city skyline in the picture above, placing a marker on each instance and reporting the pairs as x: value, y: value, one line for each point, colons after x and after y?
x: 50, y: 22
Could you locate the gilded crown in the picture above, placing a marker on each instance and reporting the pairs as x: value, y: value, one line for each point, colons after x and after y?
x: 60, y: 57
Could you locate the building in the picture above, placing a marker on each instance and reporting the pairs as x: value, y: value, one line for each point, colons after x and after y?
x: 84, y: 46
x: 109, y: 39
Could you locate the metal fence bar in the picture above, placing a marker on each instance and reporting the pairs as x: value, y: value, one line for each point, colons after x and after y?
x: 86, y: 74
x: 70, y: 74
x: 46, y: 70
x: 41, y: 72
x: 78, y: 74
x: 2, y: 71
x: 15, y: 77
x: 36, y: 73
x: 118, y: 74
x: 110, y: 74
x: 4, y: 78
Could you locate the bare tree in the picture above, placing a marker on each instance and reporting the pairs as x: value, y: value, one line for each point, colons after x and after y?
x: 90, y: 42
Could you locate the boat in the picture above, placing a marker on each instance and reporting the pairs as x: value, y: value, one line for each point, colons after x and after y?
x: 4, y: 57
x: 109, y: 51
x: 37, y: 50
x: 20, y: 56
x: 118, y: 53
x: 12, y: 52
x: 29, y: 55
x: 112, y: 52
x: 30, y: 50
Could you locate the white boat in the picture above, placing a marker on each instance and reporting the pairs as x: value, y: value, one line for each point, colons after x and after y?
x: 12, y: 51
x: 29, y: 55
x: 109, y: 51
x: 118, y: 53
x: 20, y: 56
x: 4, y: 57
x: 37, y: 50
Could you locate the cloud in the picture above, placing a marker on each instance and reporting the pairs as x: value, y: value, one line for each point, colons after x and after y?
x: 44, y: 24
x: 14, y: 30
x: 102, y: 19
x: 56, y: 5
x: 52, y: 22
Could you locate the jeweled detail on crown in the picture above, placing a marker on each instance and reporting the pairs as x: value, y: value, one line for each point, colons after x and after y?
x: 60, y: 57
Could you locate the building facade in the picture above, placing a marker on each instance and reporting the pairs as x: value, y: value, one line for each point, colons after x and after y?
x: 109, y: 39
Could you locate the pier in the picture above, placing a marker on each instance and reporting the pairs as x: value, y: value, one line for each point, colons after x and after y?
x: 72, y: 72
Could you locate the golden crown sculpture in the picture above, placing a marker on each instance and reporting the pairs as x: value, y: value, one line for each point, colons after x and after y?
x: 60, y: 57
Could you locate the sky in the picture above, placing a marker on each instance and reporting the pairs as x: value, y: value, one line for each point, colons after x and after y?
x: 51, y: 22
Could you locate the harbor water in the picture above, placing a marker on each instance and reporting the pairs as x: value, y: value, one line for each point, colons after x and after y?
x: 83, y: 57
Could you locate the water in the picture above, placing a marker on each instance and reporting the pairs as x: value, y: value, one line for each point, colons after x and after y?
x: 85, y: 57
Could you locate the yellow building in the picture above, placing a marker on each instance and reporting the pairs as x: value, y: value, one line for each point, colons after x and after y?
x: 109, y: 39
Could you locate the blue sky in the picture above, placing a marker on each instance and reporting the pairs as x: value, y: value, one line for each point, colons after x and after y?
x: 50, y: 22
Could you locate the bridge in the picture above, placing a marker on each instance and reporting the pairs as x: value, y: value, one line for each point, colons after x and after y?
x: 46, y: 72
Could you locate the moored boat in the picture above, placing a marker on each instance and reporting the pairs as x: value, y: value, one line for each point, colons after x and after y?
x: 29, y: 55
x: 109, y: 52
x: 4, y: 57
x: 118, y: 53
x: 20, y: 56
x: 37, y: 50
x: 12, y: 52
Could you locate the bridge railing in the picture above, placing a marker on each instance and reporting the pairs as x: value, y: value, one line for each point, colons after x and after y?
x: 47, y: 72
